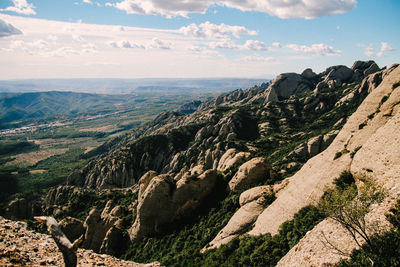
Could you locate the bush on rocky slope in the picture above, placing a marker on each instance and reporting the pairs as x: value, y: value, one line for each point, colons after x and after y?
x: 383, y: 250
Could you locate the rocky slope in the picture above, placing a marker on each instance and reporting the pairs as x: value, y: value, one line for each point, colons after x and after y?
x: 22, y: 247
x: 374, y: 129
x: 242, y: 143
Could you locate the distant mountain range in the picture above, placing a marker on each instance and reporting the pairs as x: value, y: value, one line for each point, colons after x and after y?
x: 126, y: 86
x: 18, y: 106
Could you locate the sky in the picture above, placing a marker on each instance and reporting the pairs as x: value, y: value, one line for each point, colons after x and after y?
x: 192, y: 38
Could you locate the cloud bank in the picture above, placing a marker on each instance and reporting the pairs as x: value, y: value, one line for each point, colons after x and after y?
x: 7, y: 29
x: 317, y: 49
x: 21, y: 7
x: 307, y: 9
x: 210, y: 30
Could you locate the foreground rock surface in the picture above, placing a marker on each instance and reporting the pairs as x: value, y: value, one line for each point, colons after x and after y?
x: 22, y: 247
x: 378, y: 158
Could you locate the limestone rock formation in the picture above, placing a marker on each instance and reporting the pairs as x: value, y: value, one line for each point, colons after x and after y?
x: 287, y: 84
x: 250, y: 173
x: 231, y: 159
x: 377, y: 159
x: 103, y: 231
x: 163, y: 201
x: 239, y: 223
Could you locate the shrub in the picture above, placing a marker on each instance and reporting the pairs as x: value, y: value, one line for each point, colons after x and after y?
x: 362, y: 125
x: 384, y: 99
x: 395, y: 85
x: 344, y: 180
x: 384, y: 249
x: 337, y: 155
x: 349, y: 209
x: 352, y: 154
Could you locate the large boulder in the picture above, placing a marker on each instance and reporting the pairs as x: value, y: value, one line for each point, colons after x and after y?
x: 309, y: 74
x: 286, y: 85
x: 154, y: 207
x: 240, y: 222
x: 144, y: 181
x: 115, y: 242
x: 231, y: 159
x: 190, y: 191
x: 165, y: 201
x: 104, y: 232
x: 250, y: 173
x: 254, y: 194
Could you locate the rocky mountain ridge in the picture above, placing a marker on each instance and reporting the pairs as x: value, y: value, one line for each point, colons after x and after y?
x: 249, y: 139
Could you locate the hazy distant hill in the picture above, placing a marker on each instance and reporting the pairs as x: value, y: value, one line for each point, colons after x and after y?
x: 44, y: 104
x: 123, y: 86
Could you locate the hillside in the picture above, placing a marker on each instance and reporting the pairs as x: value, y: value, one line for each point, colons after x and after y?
x: 234, y: 182
x: 52, y: 104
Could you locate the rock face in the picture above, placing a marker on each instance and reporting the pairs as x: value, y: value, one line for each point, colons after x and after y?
x: 231, y: 159
x: 189, y: 107
x: 184, y: 153
x: 239, y: 223
x: 314, y: 146
x: 250, y: 173
x: 103, y: 231
x: 22, y: 247
x: 163, y: 201
x: 378, y: 159
x: 288, y: 84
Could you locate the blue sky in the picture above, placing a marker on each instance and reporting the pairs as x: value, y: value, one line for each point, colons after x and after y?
x: 192, y: 38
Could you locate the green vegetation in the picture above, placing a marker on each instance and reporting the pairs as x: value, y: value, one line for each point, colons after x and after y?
x: 352, y: 154
x: 362, y: 125
x: 384, y: 99
x: 337, y: 155
x: 182, y: 247
x: 15, y: 147
x: 348, y: 206
x: 53, y: 171
x: 345, y: 180
x: 382, y: 249
x: 79, y: 205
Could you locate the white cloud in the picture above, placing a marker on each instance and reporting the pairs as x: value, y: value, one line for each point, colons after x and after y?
x: 160, y: 44
x: 276, y: 44
x: 317, y: 49
x: 87, y: 2
x: 21, y: 7
x: 370, y: 51
x: 255, y: 45
x: 283, y: 9
x: 52, y: 37
x: 154, y: 44
x: 224, y: 44
x: 210, y: 30
x: 386, y: 47
x: 203, y: 51
x: 7, y: 29
x: 126, y: 44
x: 257, y: 58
